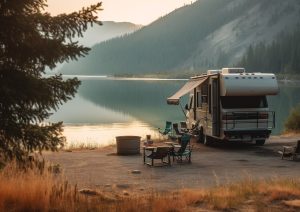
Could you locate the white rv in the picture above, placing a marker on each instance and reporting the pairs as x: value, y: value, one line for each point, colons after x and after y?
x: 229, y: 105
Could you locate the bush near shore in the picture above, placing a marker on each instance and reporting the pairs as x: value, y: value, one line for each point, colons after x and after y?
x: 292, y: 123
x: 39, y: 189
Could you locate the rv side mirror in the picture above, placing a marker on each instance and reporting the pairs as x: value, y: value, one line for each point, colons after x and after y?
x: 186, y: 107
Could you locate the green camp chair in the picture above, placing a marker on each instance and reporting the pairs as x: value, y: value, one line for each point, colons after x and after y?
x: 185, y: 151
x: 167, y: 130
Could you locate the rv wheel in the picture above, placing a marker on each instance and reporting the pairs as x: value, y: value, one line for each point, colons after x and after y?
x: 201, y: 135
x: 207, y: 140
x: 260, y: 142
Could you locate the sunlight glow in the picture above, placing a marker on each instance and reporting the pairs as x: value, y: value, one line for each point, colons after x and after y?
x: 135, y: 11
x: 104, y: 134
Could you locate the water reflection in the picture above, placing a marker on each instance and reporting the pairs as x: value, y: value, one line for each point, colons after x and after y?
x: 79, y: 111
x: 105, y: 108
x: 145, y: 100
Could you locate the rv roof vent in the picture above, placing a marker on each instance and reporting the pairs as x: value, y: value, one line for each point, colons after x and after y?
x: 213, y: 71
x: 233, y: 70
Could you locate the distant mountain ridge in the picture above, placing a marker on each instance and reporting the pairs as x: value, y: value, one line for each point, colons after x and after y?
x: 98, y: 33
x: 106, y: 31
x: 205, y: 34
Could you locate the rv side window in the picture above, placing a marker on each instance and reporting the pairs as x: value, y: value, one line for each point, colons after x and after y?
x: 209, y: 101
x: 204, y: 99
x: 229, y: 102
x: 199, y: 102
x: 204, y: 93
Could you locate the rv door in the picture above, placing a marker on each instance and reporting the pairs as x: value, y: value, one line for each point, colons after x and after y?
x: 215, y: 107
x: 190, y: 112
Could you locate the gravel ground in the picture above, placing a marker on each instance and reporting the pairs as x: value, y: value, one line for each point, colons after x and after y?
x: 214, y: 165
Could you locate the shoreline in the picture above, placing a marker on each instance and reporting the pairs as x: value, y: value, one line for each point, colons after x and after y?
x: 153, y: 77
x: 99, y: 146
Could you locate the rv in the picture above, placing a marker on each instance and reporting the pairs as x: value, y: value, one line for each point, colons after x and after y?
x: 229, y: 105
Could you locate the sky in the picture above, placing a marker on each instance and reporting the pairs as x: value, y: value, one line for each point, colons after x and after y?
x: 135, y: 11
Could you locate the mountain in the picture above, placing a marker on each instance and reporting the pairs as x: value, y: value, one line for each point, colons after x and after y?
x: 205, y: 34
x: 99, y: 33
x: 106, y: 31
x: 262, y: 21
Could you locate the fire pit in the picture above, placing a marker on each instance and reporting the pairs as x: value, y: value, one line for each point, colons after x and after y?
x: 128, y: 145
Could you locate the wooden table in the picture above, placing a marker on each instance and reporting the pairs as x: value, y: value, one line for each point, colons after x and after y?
x: 170, y: 143
x: 173, y: 144
x: 148, y: 148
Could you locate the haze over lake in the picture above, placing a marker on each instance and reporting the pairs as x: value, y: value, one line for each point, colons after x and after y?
x: 107, y: 107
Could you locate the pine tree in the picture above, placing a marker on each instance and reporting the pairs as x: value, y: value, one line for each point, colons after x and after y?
x: 30, y: 40
x: 281, y: 55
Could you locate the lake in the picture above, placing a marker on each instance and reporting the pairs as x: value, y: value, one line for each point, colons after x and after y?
x: 107, y: 107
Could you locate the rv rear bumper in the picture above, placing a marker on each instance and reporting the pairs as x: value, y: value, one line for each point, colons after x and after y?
x: 243, y: 134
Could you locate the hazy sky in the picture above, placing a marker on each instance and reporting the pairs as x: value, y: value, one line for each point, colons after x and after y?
x: 136, y: 11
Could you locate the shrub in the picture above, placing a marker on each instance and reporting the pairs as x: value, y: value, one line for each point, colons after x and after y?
x: 293, y: 121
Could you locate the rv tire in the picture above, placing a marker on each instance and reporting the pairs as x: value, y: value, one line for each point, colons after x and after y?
x: 201, y: 135
x: 260, y: 142
x: 207, y: 140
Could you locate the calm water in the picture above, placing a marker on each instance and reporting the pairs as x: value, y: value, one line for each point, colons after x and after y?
x: 105, y: 108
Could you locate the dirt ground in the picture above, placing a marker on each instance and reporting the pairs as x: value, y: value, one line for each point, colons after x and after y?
x: 214, y: 165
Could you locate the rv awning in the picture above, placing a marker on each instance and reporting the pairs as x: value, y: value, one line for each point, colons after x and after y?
x: 190, y: 85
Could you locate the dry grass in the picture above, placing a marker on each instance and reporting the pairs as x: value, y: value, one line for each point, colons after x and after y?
x: 89, y: 145
x: 40, y: 190
x: 93, y: 145
x: 32, y: 189
x: 84, y: 146
x: 290, y: 133
x: 264, y: 195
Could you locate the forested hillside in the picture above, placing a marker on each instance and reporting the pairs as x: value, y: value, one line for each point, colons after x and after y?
x: 205, y: 34
x: 282, y: 55
x: 98, y: 33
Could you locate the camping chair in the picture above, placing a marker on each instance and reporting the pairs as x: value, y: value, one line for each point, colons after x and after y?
x: 290, y: 151
x: 183, y: 126
x: 183, y: 152
x: 160, y: 153
x: 178, y: 133
x: 167, y: 130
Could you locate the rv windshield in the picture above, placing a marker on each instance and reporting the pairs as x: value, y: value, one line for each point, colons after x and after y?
x: 243, y: 102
